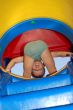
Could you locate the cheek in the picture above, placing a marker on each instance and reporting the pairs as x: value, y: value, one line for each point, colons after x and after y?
x: 41, y: 66
x: 33, y: 67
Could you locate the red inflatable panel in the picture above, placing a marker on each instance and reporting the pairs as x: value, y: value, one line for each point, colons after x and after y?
x: 55, y: 41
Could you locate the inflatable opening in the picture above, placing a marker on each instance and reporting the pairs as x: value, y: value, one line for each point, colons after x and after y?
x: 55, y: 40
x: 59, y: 62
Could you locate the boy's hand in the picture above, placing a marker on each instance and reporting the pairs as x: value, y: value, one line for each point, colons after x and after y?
x: 8, y: 70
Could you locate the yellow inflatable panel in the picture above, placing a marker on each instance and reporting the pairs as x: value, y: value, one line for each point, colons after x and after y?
x: 15, y: 11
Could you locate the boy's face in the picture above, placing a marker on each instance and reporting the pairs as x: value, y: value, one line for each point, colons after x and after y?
x: 38, y: 68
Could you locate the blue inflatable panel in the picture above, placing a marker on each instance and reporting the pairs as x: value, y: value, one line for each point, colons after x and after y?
x: 14, y: 79
x: 38, y: 99
x: 64, y: 107
x: 64, y: 71
x: 38, y: 84
x: 70, y: 67
x: 4, y: 80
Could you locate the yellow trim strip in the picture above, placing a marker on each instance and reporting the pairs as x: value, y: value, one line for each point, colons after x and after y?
x: 12, y: 74
x: 17, y: 76
x: 58, y: 71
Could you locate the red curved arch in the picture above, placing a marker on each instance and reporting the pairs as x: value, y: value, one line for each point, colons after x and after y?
x: 55, y: 40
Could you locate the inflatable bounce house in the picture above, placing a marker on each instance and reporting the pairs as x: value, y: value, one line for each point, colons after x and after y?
x: 28, y: 20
